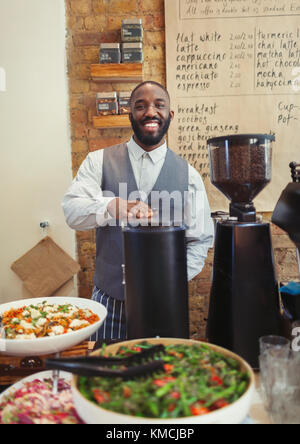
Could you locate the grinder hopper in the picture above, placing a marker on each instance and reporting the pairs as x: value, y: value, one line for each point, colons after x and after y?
x: 241, y: 167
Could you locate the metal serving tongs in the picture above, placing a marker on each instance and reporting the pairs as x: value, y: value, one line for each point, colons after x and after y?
x: 91, y: 366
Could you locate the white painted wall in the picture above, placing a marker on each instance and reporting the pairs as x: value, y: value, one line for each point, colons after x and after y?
x: 35, y: 146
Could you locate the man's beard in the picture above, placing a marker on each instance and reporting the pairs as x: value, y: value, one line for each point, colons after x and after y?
x: 150, y: 139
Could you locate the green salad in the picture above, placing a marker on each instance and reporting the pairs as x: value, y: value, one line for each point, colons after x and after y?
x: 196, y: 380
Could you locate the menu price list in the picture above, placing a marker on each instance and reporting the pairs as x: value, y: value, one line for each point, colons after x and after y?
x: 233, y: 67
x: 197, y: 123
x: 206, y: 118
x: 251, y: 60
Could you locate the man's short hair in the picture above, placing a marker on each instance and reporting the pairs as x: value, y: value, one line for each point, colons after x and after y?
x: 149, y: 82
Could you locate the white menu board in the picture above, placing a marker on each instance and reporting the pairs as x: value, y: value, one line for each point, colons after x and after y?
x: 233, y: 67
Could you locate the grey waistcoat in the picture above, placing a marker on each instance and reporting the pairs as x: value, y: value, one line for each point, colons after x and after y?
x: 117, y: 169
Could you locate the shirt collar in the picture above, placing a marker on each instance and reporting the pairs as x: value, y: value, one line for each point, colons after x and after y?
x: 155, y: 155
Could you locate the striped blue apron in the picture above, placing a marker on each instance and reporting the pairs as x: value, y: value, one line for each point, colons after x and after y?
x: 114, y: 326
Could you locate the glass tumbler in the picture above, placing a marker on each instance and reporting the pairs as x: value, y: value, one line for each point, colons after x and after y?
x: 278, y: 343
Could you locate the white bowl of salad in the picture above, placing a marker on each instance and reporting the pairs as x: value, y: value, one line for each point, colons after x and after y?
x: 32, y: 401
x: 200, y: 384
x: 42, y: 326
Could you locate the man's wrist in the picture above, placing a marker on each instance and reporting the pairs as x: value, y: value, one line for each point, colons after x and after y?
x: 104, y: 216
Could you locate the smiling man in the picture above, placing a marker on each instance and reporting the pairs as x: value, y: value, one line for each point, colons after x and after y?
x: 119, y: 184
x: 150, y: 115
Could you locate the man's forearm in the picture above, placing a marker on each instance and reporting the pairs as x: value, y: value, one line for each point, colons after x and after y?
x: 84, y: 214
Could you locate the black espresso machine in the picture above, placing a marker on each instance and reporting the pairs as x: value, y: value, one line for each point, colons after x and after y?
x: 287, y: 216
x: 287, y: 211
x: 244, y: 300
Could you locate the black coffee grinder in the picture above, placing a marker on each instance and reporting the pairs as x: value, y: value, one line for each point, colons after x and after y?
x: 244, y: 301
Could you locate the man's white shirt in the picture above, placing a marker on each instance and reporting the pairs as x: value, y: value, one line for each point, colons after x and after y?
x: 85, y: 207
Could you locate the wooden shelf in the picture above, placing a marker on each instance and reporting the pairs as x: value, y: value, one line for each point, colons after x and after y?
x: 114, y: 121
x: 117, y: 72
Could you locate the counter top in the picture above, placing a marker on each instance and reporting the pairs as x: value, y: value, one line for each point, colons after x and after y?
x: 257, y: 414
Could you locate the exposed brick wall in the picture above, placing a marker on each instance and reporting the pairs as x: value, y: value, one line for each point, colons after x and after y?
x: 89, y: 23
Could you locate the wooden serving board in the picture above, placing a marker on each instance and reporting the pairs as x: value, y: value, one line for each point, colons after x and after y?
x: 18, y: 372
